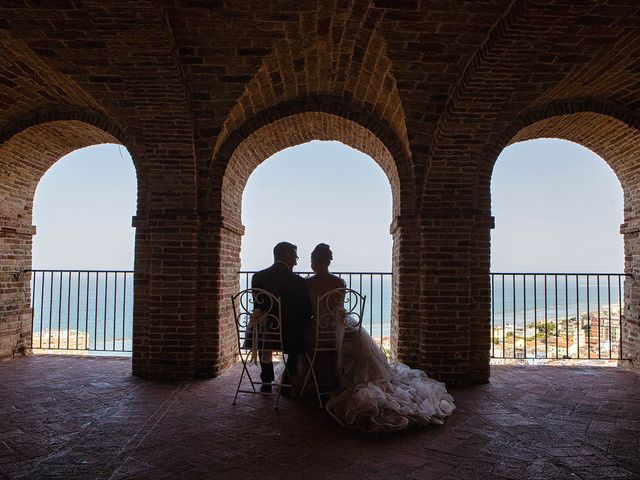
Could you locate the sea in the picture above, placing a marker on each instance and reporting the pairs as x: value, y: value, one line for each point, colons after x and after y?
x: 518, y: 298
x: 94, y: 310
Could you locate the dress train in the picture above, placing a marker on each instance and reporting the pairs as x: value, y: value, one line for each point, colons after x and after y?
x: 377, y: 396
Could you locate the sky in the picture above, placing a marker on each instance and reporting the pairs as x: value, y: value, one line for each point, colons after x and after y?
x: 319, y: 192
x: 558, y: 208
x: 82, y: 211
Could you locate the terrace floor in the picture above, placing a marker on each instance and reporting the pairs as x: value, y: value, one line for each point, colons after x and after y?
x: 83, y: 417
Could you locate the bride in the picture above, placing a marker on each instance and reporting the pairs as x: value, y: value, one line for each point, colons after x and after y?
x: 373, y: 395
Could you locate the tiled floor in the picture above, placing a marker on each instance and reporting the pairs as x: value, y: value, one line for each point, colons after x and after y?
x: 65, y: 417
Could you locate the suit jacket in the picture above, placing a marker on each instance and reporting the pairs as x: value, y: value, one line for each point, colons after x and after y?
x: 295, y: 303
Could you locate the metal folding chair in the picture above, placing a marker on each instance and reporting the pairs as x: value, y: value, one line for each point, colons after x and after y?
x: 257, y: 314
x: 333, y: 310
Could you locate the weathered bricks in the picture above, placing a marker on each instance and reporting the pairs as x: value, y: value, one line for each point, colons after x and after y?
x: 201, y: 92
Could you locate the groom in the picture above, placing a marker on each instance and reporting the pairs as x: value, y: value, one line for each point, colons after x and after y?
x: 296, y: 309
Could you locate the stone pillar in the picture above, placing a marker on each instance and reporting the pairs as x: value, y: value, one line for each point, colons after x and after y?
x: 15, y: 287
x: 454, y: 303
x: 165, y: 288
x: 631, y: 311
x: 405, y: 315
x: 218, y: 279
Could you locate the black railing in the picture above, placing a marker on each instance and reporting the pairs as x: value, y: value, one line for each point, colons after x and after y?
x: 82, y: 310
x: 375, y: 285
x: 533, y: 315
x: 557, y: 315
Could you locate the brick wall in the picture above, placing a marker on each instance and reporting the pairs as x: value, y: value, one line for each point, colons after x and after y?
x: 24, y: 158
x: 259, y: 145
x: 202, y: 92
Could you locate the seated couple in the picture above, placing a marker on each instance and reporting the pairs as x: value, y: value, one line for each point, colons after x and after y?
x: 373, y: 395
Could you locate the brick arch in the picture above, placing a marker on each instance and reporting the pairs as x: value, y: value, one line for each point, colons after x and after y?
x: 86, y: 127
x: 606, y: 128
x: 603, y: 127
x: 315, y: 118
x: 295, y: 130
x: 343, y: 57
x: 59, y: 113
x: 263, y: 139
x: 611, y: 132
x: 30, y: 146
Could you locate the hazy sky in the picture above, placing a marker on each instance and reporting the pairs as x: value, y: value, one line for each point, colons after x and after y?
x: 558, y: 207
x: 319, y: 192
x: 82, y: 211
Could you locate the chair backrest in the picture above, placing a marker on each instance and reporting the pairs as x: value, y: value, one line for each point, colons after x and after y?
x: 258, y: 317
x: 337, y: 305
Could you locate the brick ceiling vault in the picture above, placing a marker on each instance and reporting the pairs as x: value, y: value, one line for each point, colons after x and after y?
x: 340, y: 59
x: 538, y: 55
x: 447, y: 80
x: 444, y: 82
x: 119, y: 63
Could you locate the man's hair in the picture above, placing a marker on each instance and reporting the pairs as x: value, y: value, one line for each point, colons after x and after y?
x: 281, y: 250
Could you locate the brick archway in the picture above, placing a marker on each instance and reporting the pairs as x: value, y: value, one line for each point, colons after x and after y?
x: 613, y: 134
x: 247, y: 152
x: 30, y: 146
x: 294, y: 130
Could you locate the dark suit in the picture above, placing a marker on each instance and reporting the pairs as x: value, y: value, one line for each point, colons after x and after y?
x: 295, y: 304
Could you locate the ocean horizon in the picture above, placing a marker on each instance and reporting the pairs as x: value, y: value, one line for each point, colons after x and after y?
x: 101, y: 306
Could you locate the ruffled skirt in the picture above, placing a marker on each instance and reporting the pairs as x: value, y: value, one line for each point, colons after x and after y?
x: 377, y: 396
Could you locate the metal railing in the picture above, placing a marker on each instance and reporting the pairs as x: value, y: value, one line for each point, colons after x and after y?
x: 375, y: 285
x: 557, y: 315
x: 82, y: 310
x: 533, y: 315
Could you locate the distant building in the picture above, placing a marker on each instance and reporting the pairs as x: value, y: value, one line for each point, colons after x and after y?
x: 61, y: 340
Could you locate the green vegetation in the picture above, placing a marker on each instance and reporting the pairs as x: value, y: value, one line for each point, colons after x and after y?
x: 543, y: 329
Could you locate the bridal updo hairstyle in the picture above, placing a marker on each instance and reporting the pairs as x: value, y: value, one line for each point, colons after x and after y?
x: 322, y: 255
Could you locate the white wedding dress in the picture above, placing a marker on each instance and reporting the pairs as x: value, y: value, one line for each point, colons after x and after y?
x: 376, y: 396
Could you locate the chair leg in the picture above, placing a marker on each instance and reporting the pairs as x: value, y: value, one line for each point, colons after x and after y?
x: 311, y: 371
x: 244, y: 369
x: 315, y: 381
x: 306, y: 377
x: 284, y: 360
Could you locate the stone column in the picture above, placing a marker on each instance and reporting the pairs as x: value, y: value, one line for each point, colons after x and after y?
x: 630, y: 345
x: 218, y: 279
x: 15, y: 287
x: 454, y: 302
x: 406, y: 316
x: 165, y: 288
